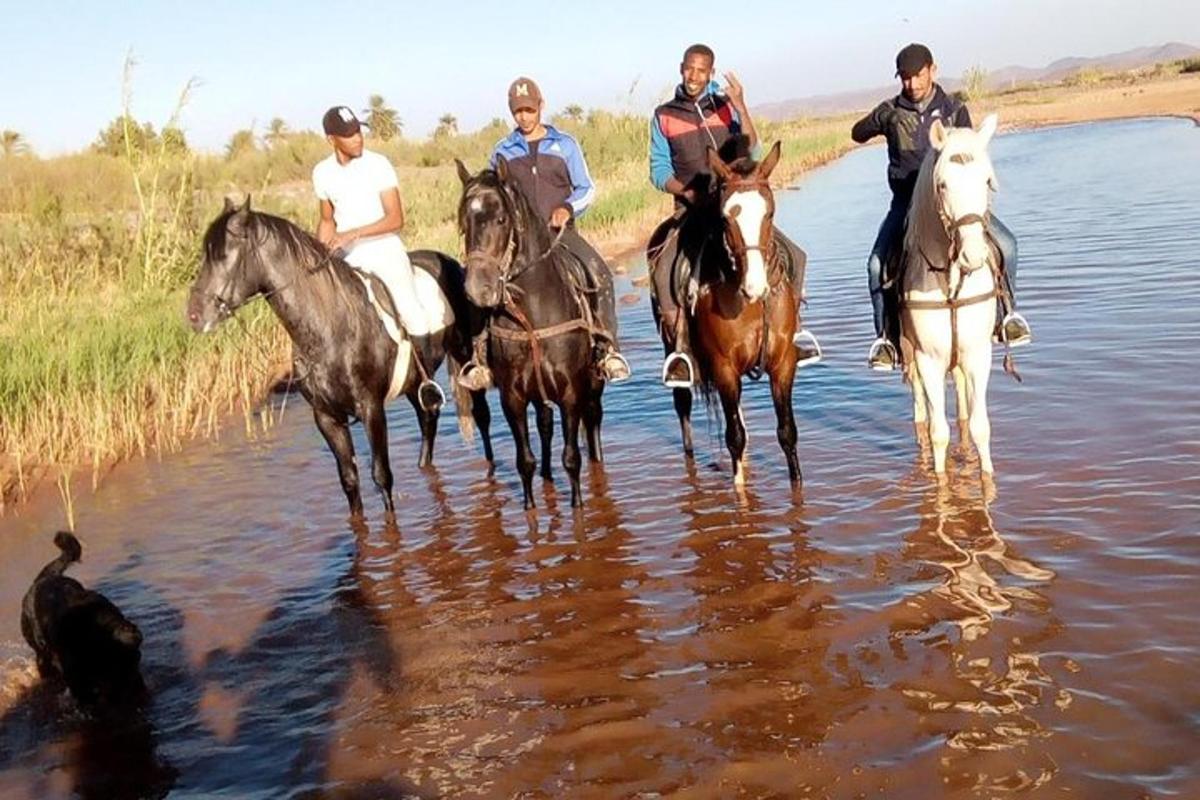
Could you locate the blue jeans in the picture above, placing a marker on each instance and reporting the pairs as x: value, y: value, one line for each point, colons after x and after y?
x: 891, y: 233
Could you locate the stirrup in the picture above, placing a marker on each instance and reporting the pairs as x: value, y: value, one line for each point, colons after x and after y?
x: 675, y: 383
x: 430, y: 396
x: 1025, y: 338
x: 808, y: 349
x: 622, y: 371
x: 474, y: 376
x: 875, y: 361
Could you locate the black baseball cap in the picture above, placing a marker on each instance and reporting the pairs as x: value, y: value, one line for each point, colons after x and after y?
x: 340, y: 121
x: 912, y: 59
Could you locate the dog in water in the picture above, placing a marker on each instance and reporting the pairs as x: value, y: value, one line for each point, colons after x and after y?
x: 79, y: 637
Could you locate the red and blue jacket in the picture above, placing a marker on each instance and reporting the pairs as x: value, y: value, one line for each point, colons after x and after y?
x: 682, y: 130
x: 552, y: 176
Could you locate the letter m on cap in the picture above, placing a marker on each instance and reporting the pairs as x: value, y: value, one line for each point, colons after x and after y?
x: 522, y: 90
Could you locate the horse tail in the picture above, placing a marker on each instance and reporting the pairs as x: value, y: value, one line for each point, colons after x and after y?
x: 463, y: 401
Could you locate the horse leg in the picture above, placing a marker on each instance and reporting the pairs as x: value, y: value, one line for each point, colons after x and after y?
x: 518, y: 422
x: 683, y: 410
x: 729, y: 386
x: 375, y: 422
x: 933, y: 379
x: 962, y: 404
x: 976, y: 374
x: 570, y: 456
x: 920, y: 410
x: 785, y: 418
x: 482, y: 412
x: 337, y: 435
x: 593, y: 416
x: 427, y: 420
x: 545, y: 428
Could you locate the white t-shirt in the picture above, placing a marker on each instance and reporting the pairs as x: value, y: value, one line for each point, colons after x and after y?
x: 353, y: 188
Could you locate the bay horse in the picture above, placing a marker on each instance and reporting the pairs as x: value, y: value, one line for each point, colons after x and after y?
x: 539, y: 330
x: 746, y: 310
x: 948, y: 286
x: 344, y: 360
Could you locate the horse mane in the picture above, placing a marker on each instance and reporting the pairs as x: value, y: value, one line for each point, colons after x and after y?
x: 304, y: 252
x: 924, y: 222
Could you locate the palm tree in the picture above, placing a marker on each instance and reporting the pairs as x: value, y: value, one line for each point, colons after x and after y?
x: 447, y: 126
x: 383, y: 120
x: 277, y: 133
x: 13, y: 144
x: 573, y: 112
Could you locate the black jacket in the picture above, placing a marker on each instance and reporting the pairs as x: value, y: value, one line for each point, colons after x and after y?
x: 907, y: 130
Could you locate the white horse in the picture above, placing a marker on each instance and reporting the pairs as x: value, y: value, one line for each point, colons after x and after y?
x: 948, y: 289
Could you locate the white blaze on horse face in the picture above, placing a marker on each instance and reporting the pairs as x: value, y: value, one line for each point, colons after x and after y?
x: 749, y: 220
x: 964, y: 177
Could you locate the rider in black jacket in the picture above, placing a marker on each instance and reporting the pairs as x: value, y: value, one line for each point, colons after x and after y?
x: 905, y: 120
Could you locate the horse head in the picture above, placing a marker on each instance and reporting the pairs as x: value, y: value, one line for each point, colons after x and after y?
x: 748, y: 212
x: 963, y: 180
x: 491, y: 222
x: 224, y: 283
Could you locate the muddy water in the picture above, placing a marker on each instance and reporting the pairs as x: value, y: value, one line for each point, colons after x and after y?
x: 878, y: 636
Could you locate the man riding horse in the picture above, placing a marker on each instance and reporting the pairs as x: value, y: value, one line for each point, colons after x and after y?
x: 361, y: 213
x: 698, y: 117
x: 547, y: 166
x: 905, y: 120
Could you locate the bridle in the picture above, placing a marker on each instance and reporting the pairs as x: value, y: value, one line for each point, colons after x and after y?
x: 762, y: 187
x: 951, y: 225
x: 504, y: 264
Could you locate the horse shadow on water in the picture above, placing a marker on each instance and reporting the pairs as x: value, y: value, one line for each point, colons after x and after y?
x: 345, y: 361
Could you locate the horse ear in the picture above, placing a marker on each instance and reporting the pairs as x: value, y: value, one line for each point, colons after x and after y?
x: 988, y: 129
x: 246, y: 205
x: 229, y: 206
x: 718, y: 167
x: 464, y: 174
x: 768, y: 164
x: 239, y: 218
x: 502, y: 169
x: 937, y: 135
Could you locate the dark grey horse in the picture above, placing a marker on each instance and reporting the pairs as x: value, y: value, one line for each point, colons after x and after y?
x: 540, y: 340
x: 342, y: 355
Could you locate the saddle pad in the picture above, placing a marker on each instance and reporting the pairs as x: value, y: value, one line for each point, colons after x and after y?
x: 436, y: 315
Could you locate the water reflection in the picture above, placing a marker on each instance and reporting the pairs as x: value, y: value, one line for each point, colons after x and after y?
x: 982, y: 700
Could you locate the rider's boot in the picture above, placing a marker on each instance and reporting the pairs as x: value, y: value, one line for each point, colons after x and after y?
x: 882, y: 355
x: 808, y: 349
x: 1013, y: 330
x: 475, y: 374
x: 679, y: 369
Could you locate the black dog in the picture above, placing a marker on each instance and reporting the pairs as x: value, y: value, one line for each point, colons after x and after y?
x: 79, y: 636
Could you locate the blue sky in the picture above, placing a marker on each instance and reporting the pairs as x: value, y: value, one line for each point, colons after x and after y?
x: 258, y: 60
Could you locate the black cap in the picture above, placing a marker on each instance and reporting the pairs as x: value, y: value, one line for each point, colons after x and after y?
x: 340, y: 121
x: 912, y: 59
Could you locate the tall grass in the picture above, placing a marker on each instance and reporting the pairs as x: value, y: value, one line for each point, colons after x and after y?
x: 97, y: 251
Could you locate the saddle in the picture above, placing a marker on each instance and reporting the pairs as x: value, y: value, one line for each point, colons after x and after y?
x: 663, y: 252
x: 895, y: 262
x: 437, y: 315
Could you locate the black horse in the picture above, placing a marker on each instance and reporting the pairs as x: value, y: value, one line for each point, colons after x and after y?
x: 540, y: 338
x: 342, y: 355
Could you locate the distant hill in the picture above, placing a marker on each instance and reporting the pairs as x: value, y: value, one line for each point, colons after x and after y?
x: 860, y: 99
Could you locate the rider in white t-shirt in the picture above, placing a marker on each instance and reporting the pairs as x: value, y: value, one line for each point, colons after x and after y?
x: 361, y: 212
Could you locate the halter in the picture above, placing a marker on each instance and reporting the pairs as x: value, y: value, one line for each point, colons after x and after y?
x: 951, y: 225
x: 504, y: 264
